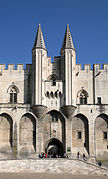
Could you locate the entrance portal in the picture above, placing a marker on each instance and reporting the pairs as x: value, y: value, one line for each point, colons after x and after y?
x: 55, y: 147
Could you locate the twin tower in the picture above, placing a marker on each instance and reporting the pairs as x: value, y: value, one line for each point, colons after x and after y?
x: 53, y: 82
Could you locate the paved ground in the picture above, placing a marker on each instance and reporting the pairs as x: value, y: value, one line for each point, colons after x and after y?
x: 46, y: 176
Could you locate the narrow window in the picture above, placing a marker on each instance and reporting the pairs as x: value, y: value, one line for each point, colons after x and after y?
x: 83, y: 100
x: 56, y: 94
x: 98, y: 100
x: 105, y: 135
x: 11, y: 97
x: 15, y: 98
x: 51, y: 94
x: 79, y: 135
x: 54, y: 118
x: 83, y: 95
x: 47, y: 94
x: 84, y: 144
x: 53, y: 83
x: 13, y: 94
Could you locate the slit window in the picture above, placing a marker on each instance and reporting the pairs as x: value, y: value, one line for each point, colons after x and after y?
x: 98, y: 100
x: 79, y: 135
x: 105, y: 135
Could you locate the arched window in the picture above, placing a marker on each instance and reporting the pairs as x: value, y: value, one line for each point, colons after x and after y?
x: 56, y: 94
x: 51, y: 94
x: 47, y: 94
x: 13, y: 90
x: 82, y: 95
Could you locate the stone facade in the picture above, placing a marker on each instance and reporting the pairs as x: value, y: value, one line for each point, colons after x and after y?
x: 53, y: 107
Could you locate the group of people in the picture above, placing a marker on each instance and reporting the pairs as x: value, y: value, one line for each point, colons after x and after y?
x: 83, y: 156
x: 45, y: 155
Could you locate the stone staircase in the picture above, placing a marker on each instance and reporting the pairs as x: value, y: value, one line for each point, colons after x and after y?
x: 71, y: 166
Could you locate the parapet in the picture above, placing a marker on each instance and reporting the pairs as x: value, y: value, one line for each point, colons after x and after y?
x: 96, y: 67
x: 11, y: 67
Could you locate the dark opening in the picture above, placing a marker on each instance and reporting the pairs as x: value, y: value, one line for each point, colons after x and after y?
x: 98, y: 100
x: 55, y: 117
x: 105, y: 135
x: 79, y: 135
x: 13, y: 97
x: 83, y: 100
x: 55, y: 147
x: 53, y: 83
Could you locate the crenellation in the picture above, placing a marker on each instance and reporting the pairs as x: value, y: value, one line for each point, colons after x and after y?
x: 105, y: 67
x: 87, y: 67
x: 96, y: 67
x: 78, y: 67
x: 11, y: 67
x: 2, y: 67
x: 19, y: 67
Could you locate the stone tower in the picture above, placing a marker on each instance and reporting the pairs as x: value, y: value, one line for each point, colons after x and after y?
x: 68, y: 62
x: 39, y: 53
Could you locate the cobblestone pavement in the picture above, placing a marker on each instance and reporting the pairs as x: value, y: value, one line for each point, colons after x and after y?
x: 46, y: 176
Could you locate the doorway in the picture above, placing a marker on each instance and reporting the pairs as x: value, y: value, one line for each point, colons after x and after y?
x: 54, y: 148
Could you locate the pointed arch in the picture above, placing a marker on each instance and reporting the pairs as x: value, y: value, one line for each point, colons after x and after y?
x: 27, y: 132
x: 101, y: 136
x: 54, y: 127
x: 47, y: 94
x: 6, y: 130
x: 13, y: 90
x: 11, y: 87
x: 82, y: 96
x: 80, y: 133
x: 53, y: 79
x: 52, y: 94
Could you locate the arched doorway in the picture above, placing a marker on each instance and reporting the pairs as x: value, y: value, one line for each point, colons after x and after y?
x: 54, y: 129
x: 54, y: 147
x: 6, y: 130
x: 101, y: 137
x: 80, y: 134
x: 27, y: 132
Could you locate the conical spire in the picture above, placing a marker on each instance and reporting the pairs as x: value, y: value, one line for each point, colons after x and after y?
x: 39, y: 41
x: 67, y: 43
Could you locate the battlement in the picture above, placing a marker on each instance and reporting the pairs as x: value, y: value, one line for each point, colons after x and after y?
x: 11, y: 67
x: 96, y: 67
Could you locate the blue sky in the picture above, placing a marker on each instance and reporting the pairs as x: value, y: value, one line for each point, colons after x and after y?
x: 88, y: 21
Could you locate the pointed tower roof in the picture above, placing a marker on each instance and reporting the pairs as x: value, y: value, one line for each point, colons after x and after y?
x: 39, y: 41
x: 67, y: 43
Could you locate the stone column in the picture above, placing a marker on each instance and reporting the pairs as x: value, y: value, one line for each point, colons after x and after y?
x: 39, y: 140
x: 15, y: 140
x: 69, y: 136
x: 92, y: 150
x: 68, y: 111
